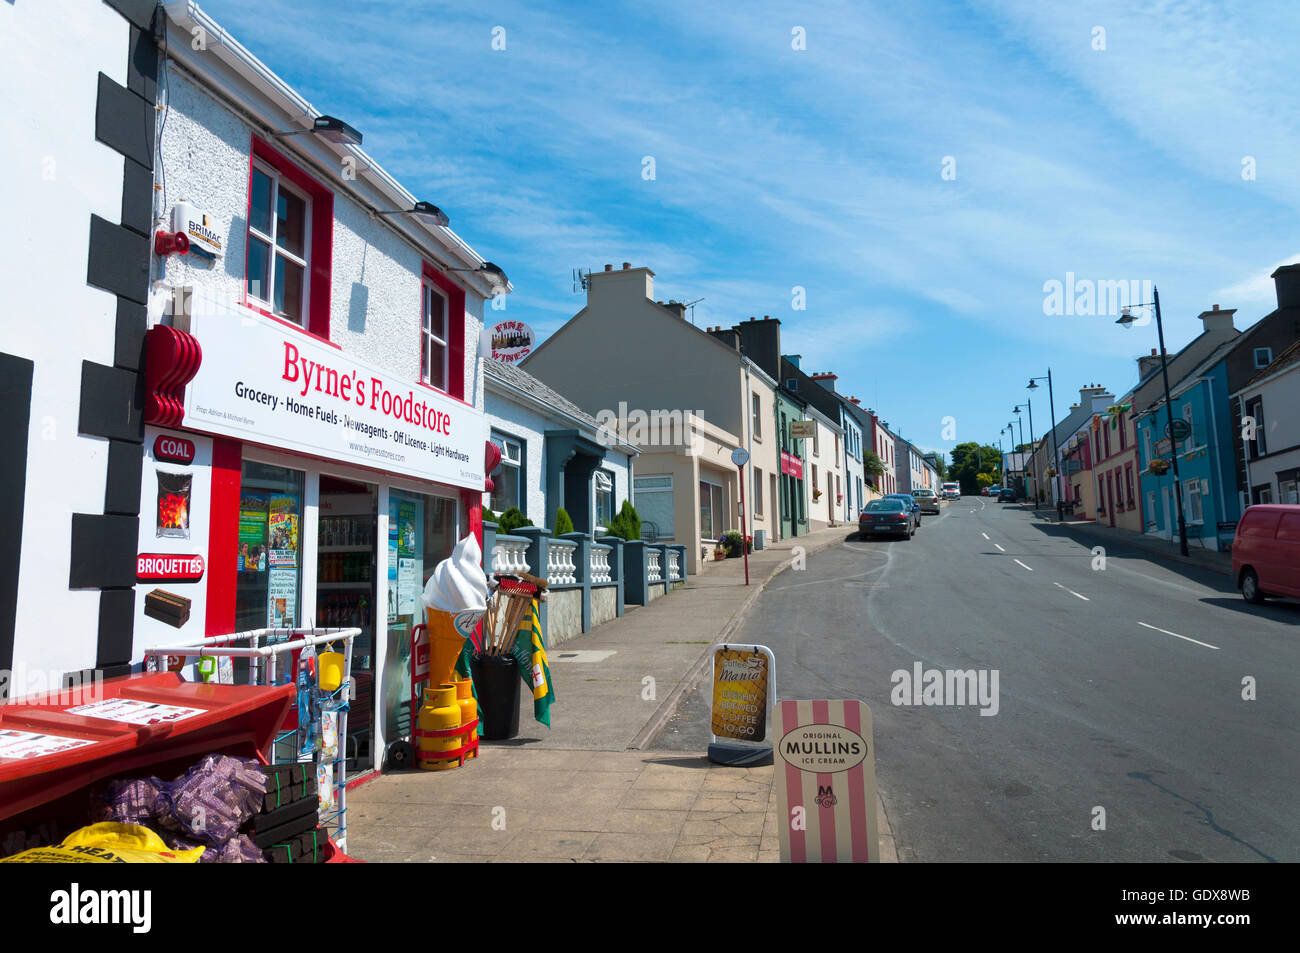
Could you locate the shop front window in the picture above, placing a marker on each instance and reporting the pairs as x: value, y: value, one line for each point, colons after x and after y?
x: 345, y: 594
x: 268, y: 586
x: 421, y: 533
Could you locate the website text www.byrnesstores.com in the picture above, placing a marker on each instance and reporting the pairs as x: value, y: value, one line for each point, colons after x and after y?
x: 367, y: 392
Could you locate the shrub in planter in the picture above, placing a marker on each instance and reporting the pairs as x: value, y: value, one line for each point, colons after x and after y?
x: 563, y: 522
x: 490, y: 517
x: 731, y: 542
x: 626, y: 524
x: 511, y: 520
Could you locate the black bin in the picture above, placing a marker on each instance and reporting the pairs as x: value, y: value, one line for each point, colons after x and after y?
x: 496, y: 678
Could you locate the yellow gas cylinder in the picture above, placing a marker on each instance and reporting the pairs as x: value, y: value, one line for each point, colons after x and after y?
x: 468, y: 709
x: 439, y: 712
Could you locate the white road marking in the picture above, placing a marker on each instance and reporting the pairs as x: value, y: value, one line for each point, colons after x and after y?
x: 1177, y: 636
x: 999, y: 547
x: 985, y: 535
x: 1071, y: 592
x: 1019, y: 563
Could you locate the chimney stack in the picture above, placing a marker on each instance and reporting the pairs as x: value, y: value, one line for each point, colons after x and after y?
x: 676, y: 307
x: 826, y: 379
x: 1287, y: 281
x: 1216, y: 320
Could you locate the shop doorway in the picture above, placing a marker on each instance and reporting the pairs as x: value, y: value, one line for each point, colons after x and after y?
x: 345, y: 595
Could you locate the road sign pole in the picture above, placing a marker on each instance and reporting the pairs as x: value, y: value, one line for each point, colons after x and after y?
x: 743, y: 547
x: 740, y: 456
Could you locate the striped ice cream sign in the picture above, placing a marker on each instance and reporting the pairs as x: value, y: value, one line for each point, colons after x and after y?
x: 826, y: 781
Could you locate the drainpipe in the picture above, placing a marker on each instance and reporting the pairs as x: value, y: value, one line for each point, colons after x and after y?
x: 1214, y: 421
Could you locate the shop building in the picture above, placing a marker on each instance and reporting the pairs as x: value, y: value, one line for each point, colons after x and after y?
x: 78, y: 83
x: 311, y: 440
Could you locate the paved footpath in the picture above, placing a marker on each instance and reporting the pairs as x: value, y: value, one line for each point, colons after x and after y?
x: 587, y: 789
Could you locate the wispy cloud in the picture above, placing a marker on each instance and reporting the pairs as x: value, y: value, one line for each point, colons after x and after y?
x: 823, y: 167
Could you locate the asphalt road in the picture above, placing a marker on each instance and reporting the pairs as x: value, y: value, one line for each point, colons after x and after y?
x: 1118, y: 688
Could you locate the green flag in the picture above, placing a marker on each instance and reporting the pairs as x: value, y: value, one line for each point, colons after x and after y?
x: 530, y: 655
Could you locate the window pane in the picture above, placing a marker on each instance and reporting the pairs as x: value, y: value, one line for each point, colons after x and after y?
x: 706, y: 512
x: 656, y: 507
x: 435, y: 313
x: 288, y: 289
x: 505, y: 488
x: 259, y: 212
x: 291, y: 224
x: 259, y: 255
x: 436, y: 371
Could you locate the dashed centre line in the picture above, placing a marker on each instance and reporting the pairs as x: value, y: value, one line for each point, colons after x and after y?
x: 999, y: 547
x: 1018, y: 562
x: 1177, y: 636
x: 1071, y: 592
x: 985, y: 535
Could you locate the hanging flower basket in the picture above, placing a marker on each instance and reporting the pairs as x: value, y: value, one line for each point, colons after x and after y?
x: 1158, y: 467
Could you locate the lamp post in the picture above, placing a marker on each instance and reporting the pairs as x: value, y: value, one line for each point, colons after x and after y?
x: 1030, y: 404
x: 1126, y: 320
x: 1056, y: 453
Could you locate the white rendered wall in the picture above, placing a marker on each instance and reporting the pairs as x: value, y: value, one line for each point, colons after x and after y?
x: 56, y: 176
x: 375, y: 275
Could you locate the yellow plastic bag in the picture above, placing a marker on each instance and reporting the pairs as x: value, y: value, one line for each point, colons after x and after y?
x: 108, y: 843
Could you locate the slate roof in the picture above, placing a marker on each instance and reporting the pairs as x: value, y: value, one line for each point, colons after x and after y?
x: 520, y: 379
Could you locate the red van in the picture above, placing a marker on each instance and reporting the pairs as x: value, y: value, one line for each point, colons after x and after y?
x: 1266, y: 552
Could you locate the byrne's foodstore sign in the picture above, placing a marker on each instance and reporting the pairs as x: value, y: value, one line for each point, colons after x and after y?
x: 262, y: 382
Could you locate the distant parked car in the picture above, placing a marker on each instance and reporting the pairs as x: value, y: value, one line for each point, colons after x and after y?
x: 1266, y: 552
x: 890, y: 514
x: 1006, y: 495
x: 913, y: 504
x: 928, y: 499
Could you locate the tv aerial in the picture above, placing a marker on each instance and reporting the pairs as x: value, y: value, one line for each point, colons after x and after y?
x: 581, y: 278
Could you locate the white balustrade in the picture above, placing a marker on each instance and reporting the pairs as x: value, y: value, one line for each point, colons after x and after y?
x: 561, y: 567
x: 510, y: 556
x: 655, y: 569
x: 674, y: 566
x: 600, y: 569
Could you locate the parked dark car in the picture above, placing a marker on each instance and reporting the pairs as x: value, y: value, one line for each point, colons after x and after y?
x: 913, y: 503
x: 1266, y: 551
x: 1006, y: 495
x: 892, y: 515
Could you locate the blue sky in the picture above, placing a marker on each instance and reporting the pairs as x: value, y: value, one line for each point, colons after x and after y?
x: 824, y: 167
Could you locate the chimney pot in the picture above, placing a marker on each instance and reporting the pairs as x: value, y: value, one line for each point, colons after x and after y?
x: 767, y: 317
x: 609, y: 267
x: 627, y: 265
x: 1216, y: 307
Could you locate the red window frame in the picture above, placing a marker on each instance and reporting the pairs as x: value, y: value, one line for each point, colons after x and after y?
x: 455, y: 296
x: 317, y: 319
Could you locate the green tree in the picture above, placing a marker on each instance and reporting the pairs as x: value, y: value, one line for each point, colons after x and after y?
x: 563, y: 522
x: 511, y: 520
x: 626, y: 524
x: 872, y: 466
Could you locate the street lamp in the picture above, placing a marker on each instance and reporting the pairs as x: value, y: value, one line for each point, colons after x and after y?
x: 1056, y: 453
x: 1034, y: 489
x: 1126, y: 320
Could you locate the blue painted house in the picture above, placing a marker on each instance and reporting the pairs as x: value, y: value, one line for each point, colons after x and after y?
x: 1205, y: 456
